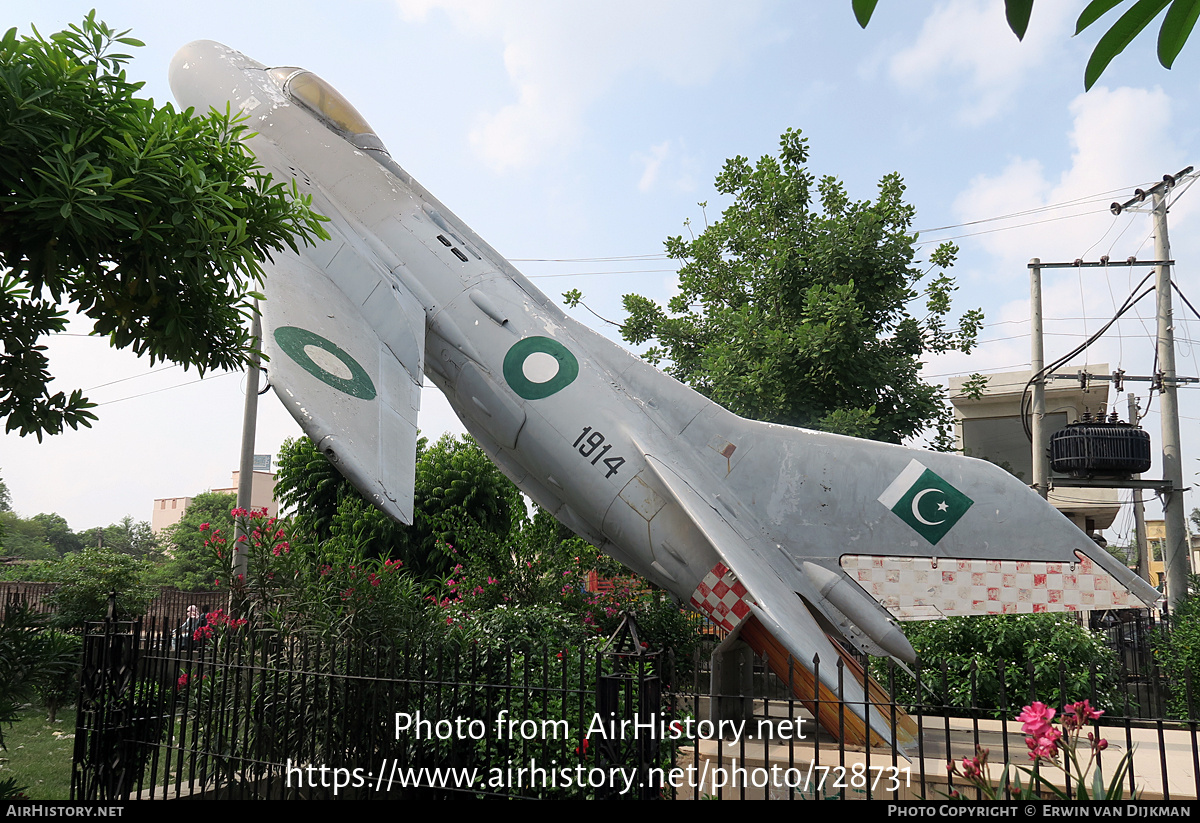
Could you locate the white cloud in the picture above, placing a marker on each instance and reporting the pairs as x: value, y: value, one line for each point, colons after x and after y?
x: 651, y: 163
x: 561, y: 57
x: 968, y: 43
x: 1119, y: 138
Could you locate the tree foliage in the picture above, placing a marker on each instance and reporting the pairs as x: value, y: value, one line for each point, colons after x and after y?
x: 1178, y: 653
x: 1176, y: 27
x: 127, y: 537
x: 1000, y: 662
x: 458, y: 492
x: 87, y: 578
x: 191, y: 564
x: 150, y: 221
x: 796, y: 306
x: 24, y: 538
x: 32, y: 659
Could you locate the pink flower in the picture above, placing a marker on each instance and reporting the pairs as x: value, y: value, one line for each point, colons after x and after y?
x: 1045, y: 745
x: 182, y: 682
x: 1082, y: 714
x: 1035, y: 717
x: 203, y: 527
x: 973, y: 766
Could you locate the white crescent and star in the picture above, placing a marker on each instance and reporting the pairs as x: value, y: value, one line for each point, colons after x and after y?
x: 916, y: 507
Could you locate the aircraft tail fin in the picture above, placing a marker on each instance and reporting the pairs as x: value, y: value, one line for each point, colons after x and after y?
x: 925, y: 534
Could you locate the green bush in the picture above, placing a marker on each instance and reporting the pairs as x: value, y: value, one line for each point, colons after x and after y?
x: 1178, y: 652
x: 1000, y: 662
x: 86, y: 579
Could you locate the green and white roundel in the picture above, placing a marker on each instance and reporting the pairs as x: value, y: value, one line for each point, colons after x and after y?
x: 537, y: 367
x: 326, y: 361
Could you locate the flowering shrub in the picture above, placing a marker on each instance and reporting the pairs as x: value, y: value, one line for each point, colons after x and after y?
x: 1053, y: 748
x: 533, y: 588
x: 299, y: 586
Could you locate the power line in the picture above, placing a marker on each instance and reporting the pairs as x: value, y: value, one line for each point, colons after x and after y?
x: 593, y: 273
x: 166, y: 388
x: 134, y: 377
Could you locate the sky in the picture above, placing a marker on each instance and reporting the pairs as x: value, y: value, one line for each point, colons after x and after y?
x: 575, y: 138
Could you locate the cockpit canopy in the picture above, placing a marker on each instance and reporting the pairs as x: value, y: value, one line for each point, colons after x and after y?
x: 323, y: 100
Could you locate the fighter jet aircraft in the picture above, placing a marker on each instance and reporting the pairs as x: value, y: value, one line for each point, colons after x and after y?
x: 786, y: 536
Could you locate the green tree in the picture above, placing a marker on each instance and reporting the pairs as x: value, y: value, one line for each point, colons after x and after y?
x: 459, y: 493
x: 798, y: 312
x: 86, y: 578
x: 150, y: 221
x: 58, y: 533
x: 1176, y: 27
x: 24, y: 538
x: 191, y: 564
x: 127, y: 537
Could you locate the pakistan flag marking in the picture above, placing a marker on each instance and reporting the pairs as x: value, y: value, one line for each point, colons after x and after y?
x: 925, y: 501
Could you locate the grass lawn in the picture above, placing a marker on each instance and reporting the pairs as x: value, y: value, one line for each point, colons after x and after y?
x: 39, y: 754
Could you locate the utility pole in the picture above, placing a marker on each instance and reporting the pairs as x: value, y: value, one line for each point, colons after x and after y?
x: 1037, y: 363
x: 241, y: 555
x: 1175, y: 548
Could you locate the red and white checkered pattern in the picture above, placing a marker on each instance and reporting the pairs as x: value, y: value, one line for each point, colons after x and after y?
x: 912, y: 589
x: 722, y: 598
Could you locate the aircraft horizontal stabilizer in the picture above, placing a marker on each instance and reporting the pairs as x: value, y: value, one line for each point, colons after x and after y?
x: 344, y: 384
x: 762, y: 593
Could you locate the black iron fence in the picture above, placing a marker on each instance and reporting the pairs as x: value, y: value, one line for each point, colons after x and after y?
x: 241, y: 714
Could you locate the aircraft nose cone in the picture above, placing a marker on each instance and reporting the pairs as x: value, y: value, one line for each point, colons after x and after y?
x: 205, y: 74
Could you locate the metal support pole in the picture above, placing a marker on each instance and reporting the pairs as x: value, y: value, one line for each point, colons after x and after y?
x: 1175, y: 547
x: 1037, y: 362
x: 241, y: 559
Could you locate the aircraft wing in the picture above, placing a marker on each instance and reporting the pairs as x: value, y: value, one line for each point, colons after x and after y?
x: 354, y: 393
